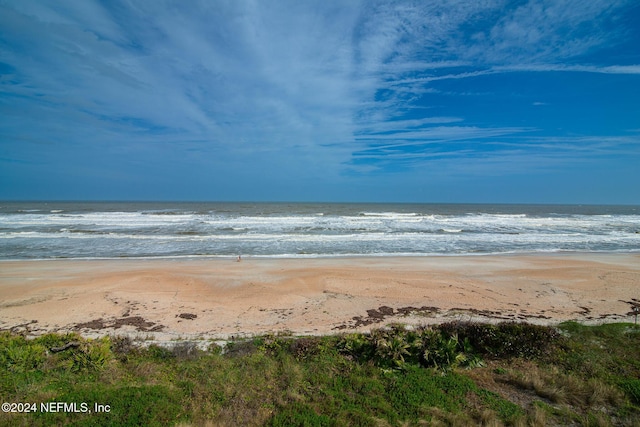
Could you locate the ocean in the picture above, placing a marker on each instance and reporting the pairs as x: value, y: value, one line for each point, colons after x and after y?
x: 153, y: 230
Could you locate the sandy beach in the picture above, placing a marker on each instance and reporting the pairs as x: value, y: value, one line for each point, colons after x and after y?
x: 220, y: 298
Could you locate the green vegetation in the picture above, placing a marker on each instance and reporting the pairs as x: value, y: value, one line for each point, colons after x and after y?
x: 454, y: 374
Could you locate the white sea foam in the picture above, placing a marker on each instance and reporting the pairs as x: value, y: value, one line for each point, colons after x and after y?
x: 324, y: 230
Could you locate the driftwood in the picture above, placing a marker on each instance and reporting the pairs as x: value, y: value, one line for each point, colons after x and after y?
x: 72, y: 344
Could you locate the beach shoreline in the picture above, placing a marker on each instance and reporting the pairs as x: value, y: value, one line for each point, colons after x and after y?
x: 220, y: 298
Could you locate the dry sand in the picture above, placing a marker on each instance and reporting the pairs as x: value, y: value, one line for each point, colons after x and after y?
x: 219, y: 298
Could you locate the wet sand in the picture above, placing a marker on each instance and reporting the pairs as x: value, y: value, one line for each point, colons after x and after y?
x: 220, y: 298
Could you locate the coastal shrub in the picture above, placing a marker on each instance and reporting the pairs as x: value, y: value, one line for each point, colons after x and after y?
x: 272, y: 343
x: 442, y: 352
x: 396, y: 346
x: 356, y: 346
x: 57, y: 340
x: 91, y: 355
x: 18, y: 355
x: 506, y: 339
x: 606, y: 330
x: 390, y: 346
x: 387, y: 347
x: 306, y: 347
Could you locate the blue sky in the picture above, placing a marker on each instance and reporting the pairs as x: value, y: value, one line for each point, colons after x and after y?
x: 531, y: 101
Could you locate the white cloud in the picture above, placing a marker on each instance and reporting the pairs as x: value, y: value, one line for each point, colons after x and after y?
x: 442, y: 134
x: 547, y: 31
x: 304, y: 84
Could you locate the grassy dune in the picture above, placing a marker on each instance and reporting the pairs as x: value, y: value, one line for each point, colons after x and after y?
x: 454, y: 374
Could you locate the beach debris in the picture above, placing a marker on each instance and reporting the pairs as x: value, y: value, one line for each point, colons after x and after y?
x: 584, y: 311
x: 92, y: 324
x: 22, y: 328
x: 72, y: 344
x: 137, y: 322
x: 635, y: 308
x: 378, y: 315
x: 188, y: 316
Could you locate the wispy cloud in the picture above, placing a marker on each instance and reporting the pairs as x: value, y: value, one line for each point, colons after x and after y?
x: 309, y: 88
x: 611, y: 69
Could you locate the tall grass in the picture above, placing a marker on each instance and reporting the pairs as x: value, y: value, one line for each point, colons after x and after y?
x: 392, y: 376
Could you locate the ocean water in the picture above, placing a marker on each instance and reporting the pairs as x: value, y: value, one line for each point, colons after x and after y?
x: 148, y: 230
